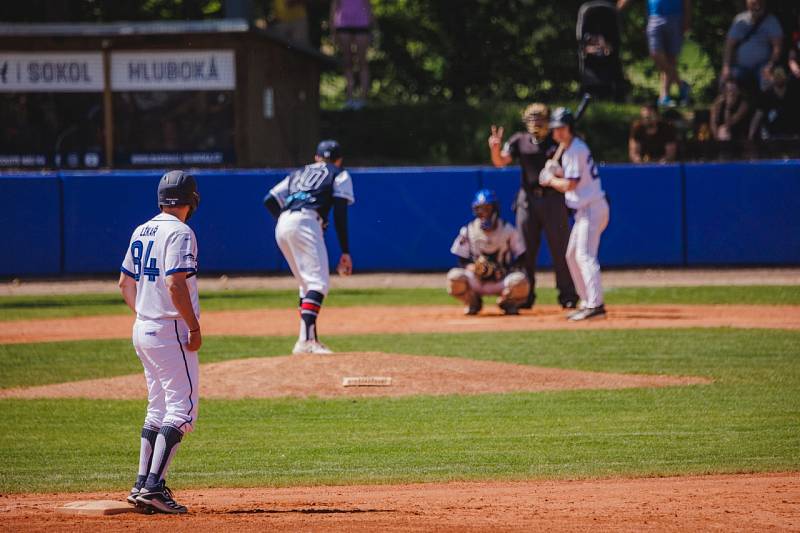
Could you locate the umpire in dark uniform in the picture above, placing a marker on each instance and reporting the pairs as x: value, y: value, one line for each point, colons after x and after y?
x: 537, y: 208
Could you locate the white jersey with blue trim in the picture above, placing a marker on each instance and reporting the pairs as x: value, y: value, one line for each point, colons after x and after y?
x: 501, y: 245
x: 314, y: 187
x: 578, y: 164
x: 161, y: 247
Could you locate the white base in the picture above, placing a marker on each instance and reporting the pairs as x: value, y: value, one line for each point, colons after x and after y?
x: 96, y: 507
x: 367, y: 381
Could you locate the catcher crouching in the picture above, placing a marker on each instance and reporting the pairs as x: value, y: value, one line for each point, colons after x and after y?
x: 490, y: 253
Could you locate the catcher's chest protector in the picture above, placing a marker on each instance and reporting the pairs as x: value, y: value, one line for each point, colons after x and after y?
x: 494, y: 244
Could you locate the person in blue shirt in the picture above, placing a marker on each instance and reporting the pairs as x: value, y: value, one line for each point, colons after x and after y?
x: 667, y: 23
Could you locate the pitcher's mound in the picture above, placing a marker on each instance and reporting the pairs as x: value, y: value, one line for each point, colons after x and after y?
x: 322, y: 376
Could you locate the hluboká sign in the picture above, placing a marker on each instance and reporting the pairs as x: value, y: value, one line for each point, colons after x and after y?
x: 146, y: 70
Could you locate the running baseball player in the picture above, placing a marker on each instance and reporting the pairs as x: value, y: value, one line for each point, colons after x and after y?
x: 577, y: 177
x: 301, y: 203
x: 491, y: 255
x: 158, y: 283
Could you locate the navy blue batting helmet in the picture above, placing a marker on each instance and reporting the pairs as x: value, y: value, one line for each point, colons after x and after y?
x: 562, y: 117
x: 178, y: 188
x: 329, y: 149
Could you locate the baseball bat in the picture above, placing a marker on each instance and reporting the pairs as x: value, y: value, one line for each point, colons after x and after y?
x: 579, y: 111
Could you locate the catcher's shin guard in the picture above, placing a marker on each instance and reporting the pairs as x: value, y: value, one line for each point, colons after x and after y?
x: 515, y: 289
x: 458, y: 286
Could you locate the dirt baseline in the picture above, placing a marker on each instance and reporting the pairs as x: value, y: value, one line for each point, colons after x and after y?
x: 758, y: 502
x: 414, y: 319
x: 321, y: 376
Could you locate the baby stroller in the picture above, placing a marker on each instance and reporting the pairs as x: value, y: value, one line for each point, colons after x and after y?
x: 598, y: 37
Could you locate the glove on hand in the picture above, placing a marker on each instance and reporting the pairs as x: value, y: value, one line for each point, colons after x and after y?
x: 486, y: 269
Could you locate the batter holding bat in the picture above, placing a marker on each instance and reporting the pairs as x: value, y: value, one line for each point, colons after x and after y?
x: 578, y: 178
x: 538, y: 209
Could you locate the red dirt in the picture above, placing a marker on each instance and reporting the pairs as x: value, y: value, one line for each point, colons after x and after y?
x: 414, y: 319
x: 758, y: 502
x: 303, y: 376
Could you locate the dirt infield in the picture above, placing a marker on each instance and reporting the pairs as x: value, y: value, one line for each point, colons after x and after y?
x: 414, y: 319
x: 304, y: 376
x: 650, y: 277
x: 758, y: 502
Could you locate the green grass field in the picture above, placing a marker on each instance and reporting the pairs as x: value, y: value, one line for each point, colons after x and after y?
x: 58, y: 306
x: 747, y: 420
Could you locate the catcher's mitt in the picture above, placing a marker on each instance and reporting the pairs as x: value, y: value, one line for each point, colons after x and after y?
x: 486, y: 269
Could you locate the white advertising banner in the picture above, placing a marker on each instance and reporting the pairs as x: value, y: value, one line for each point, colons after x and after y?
x: 51, y: 72
x: 198, y: 70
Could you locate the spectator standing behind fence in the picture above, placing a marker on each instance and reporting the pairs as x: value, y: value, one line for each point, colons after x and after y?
x: 778, y: 113
x: 794, y: 55
x: 652, y: 139
x: 753, y: 47
x: 350, y: 24
x: 291, y: 20
x: 730, y: 114
x: 667, y: 23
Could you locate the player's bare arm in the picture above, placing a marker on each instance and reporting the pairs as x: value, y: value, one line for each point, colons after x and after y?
x: 670, y: 152
x: 127, y: 286
x: 634, y: 150
x: 500, y: 159
x: 179, y: 293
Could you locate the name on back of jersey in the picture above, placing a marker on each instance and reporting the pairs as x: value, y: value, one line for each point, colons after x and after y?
x: 149, y: 231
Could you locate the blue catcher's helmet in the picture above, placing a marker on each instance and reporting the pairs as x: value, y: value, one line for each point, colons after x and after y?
x: 486, y: 197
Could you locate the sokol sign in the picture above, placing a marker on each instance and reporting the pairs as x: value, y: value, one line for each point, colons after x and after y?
x: 51, y: 72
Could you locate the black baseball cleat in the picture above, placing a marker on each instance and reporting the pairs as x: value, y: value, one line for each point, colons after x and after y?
x: 159, y: 499
x: 569, y: 304
x: 131, y: 499
x: 588, y: 313
x: 475, y: 305
x: 509, y: 308
x: 529, y: 301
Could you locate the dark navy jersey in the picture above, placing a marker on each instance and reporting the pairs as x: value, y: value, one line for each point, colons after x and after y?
x: 532, y: 156
x: 314, y: 187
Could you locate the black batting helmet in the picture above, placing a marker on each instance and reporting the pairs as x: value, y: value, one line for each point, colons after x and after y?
x: 178, y: 188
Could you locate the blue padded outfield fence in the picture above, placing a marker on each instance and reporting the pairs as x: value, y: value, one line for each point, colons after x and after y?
x: 404, y: 219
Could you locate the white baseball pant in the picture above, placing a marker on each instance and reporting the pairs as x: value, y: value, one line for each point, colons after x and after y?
x: 584, y: 243
x: 300, y: 238
x: 171, y: 372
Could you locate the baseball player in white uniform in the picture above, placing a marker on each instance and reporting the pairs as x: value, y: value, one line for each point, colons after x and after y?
x: 301, y: 203
x: 158, y: 283
x: 578, y: 178
x: 491, y: 254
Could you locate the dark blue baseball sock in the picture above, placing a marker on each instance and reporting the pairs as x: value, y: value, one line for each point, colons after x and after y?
x: 167, y: 442
x: 310, y: 306
x: 148, y: 444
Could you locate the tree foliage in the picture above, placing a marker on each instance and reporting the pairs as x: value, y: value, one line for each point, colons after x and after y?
x: 461, y: 51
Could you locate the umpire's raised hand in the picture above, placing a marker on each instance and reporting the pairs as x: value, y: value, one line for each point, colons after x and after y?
x: 496, y: 137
